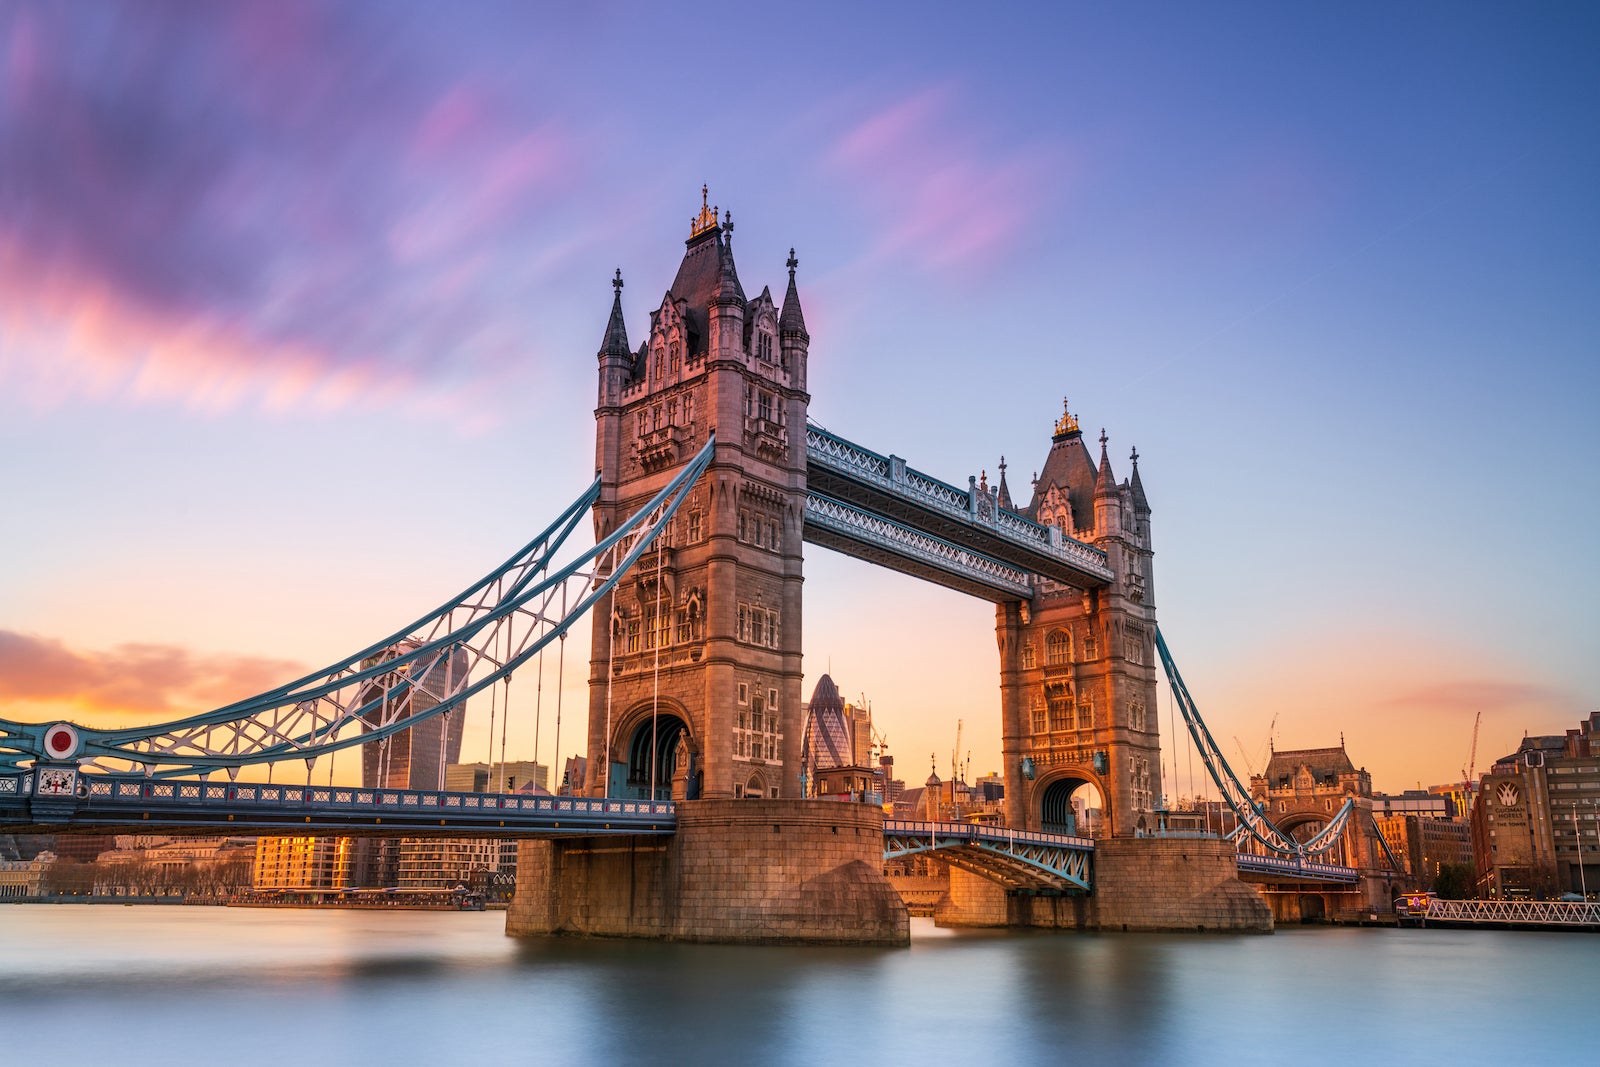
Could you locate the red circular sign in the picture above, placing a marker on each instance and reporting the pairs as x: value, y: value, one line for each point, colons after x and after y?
x: 61, y: 740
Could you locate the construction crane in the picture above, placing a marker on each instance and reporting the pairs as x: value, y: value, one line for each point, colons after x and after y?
x: 1472, y: 765
x: 1251, y: 767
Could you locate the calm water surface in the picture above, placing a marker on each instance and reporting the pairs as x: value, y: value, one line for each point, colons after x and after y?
x: 249, y: 986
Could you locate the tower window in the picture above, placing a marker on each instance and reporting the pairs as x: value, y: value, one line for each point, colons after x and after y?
x: 1027, y: 657
x: 1058, y: 648
x: 1060, y: 713
x: 764, y: 406
x: 692, y: 535
x: 764, y: 347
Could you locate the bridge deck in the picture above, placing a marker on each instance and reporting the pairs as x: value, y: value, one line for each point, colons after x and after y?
x: 883, y: 487
x: 109, y: 802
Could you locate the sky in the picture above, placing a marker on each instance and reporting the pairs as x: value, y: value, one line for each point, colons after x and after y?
x: 299, y: 304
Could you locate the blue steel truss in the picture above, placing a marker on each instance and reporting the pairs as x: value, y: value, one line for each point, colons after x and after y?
x: 829, y: 522
x: 451, y: 654
x: 1015, y: 858
x: 1296, y: 869
x: 1250, y: 815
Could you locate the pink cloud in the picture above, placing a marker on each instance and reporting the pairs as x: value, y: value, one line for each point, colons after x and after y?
x: 129, y: 679
x: 937, y: 194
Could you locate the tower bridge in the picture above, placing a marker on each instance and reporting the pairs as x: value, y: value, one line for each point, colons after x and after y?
x: 710, y: 479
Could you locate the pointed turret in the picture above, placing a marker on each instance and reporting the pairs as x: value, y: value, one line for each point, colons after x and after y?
x: 727, y: 289
x: 1140, y: 503
x: 790, y: 319
x: 1107, y: 497
x: 616, y: 339
x: 616, y: 362
x: 1104, y: 483
x: 792, y: 336
x: 1005, y: 492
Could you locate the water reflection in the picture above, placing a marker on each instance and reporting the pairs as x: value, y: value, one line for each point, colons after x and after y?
x: 310, y: 987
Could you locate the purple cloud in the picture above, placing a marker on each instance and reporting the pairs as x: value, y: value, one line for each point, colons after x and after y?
x: 279, y: 200
x: 938, y: 193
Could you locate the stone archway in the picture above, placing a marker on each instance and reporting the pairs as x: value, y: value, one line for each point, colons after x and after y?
x: 1057, y: 813
x: 649, y: 748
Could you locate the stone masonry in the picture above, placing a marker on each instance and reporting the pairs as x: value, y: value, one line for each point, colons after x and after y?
x: 753, y: 871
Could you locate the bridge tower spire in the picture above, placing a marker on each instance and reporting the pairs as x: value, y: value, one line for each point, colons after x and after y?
x: 701, y: 662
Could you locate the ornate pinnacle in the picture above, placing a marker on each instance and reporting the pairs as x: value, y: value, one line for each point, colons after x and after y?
x: 1134, y: 455
x: 707, y: 219
x: 1068, y: 422
x: 791, y: 263
x: 616, y: 283
x: 1103, y: 438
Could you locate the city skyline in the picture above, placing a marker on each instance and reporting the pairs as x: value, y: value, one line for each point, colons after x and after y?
x: 264, y: 268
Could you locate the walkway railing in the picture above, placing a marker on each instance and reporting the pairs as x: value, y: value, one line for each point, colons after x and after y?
x: 1515, y: 912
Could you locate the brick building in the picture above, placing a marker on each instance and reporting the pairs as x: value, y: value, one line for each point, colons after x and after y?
x: 1536, y: 817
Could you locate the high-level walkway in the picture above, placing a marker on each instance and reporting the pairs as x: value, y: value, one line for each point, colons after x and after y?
x: 877, y: 509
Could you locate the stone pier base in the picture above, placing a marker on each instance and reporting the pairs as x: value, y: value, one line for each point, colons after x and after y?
x: 760, y: 871
x: 1156, y: 883
x: 1140, y: 884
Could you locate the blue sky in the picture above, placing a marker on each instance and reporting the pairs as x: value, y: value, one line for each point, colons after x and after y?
x: 267, y: 269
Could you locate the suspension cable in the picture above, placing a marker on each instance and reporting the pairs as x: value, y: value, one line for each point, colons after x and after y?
x: 561, y: 674
x: 655, y: 696
x: 611, y: 670
x: 505, y: 714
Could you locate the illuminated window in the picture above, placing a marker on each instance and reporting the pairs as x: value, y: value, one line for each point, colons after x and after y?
x: 1085, y: 714
x: 1058, y: 648
x: 1039, y: 720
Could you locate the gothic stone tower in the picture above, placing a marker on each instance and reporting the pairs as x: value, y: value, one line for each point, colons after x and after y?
x: 1078, y: 671
x: 703, y: 651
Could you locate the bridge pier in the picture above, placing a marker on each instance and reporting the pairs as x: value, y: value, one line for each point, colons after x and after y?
x: 1140, y: 884
x: 755, y: 871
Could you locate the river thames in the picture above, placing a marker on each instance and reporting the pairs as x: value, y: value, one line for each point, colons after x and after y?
x: 151, y: 984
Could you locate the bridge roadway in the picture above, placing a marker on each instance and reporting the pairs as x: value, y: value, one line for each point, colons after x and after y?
x: 1017, y: 859
x: 876, y: 508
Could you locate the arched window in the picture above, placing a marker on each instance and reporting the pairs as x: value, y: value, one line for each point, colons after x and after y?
x: 1058, y: 648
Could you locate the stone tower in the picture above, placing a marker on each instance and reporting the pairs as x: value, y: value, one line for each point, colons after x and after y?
x: 701, y: 662
x: 1078, y: 667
